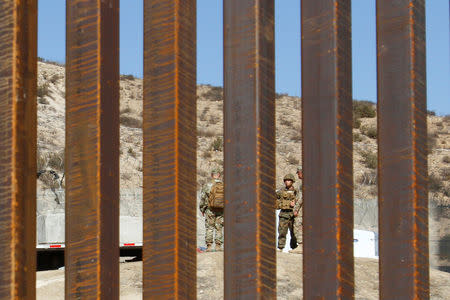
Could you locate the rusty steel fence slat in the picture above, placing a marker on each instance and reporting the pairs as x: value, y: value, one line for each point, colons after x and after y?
x: 18, y: 80
x: 328, y: 269
x: 169, y: 149
x: 170, y: 139
x: 249, y: 135
x: 402, y: 142
x: 92, y: 150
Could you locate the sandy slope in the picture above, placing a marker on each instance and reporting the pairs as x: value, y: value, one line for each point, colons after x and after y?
x: 50, y: 284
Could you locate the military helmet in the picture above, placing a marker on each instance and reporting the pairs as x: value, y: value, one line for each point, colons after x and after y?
x: 216, y: 171
x: 289, y: 177
x: 299, y: 169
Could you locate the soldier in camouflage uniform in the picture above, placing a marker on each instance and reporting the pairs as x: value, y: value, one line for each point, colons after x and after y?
x: 298, y: 214
x: 287, y: 199
x: 213, y: 216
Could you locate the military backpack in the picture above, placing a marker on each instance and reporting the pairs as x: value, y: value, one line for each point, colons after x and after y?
x: 216, y: 196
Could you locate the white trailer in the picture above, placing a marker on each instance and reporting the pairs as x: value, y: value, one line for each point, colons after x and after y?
x: 51, y: 239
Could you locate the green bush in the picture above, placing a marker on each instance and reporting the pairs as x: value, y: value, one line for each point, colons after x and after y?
x: 434, y: 183
x: 293, y: 161
x: 363, y: 109
x: 215, y: 93
x: 370, y: 132
x: 431, y: 142
x: 217, y: 144
x: 445, y: 173
x: 446, y: 159
x: 130, y: 122
x: 43, y: 90
x: 56, y: 161
x: 205, y: 132
x: 357, y: 137
x: 131, y: 152
x: 206, y: 155
x: 356, y: 122
x: 370, y: 159
x: 127, y: 77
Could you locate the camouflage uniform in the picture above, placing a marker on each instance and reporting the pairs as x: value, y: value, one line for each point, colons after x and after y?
x: 213, y: 217
x: 286, y: 219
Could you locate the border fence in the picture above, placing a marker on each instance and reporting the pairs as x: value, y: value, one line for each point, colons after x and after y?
x: 169, y: 130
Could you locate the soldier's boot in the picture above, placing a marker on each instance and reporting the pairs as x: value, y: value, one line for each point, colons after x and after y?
x: 208, y: 248
x: 297, y: 250
x: 218, y: 247
x: 280, y: 249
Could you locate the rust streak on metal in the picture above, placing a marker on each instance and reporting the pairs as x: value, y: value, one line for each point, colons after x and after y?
x: 402, y: 140
x: 169, y: 129
x: 92, y: 150
x: 249, y: 129
x: 327, y: 149
x: 18, y: 69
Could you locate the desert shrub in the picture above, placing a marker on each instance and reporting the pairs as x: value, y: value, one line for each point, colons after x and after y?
x: 206, y: 155
x: 217, y: 144
x: 431, y: 142
x: 43, y: 91
x: 214, y: 120
x: 41, y: 160
x: 48, y: 61
x: 446, y: 191
x: 55, y: 78
x: 215, y: 93
x: 279, y: 95
x: 435, y: 183
x: 203, y: 114
x: 293, y: 160
x: 205, y: 132
x: 131, y: 152
x: 56, y: 161
x: 126, y: 110
x: 357, y: 137
x: 446, y: 159
x: 356, y: 122
x: 286, y: 122
x: 127, y: 77
x: 363, y: 109
x: 370, y: 132
x: 43, y: 101
x: 369, y: 159
x: 368, y: 178
x: 296, y: 136
x: 130, y: 122
x: 445, y: 173
x: 431, y: 112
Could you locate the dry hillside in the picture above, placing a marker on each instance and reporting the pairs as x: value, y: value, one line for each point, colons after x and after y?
x: 51, y: 108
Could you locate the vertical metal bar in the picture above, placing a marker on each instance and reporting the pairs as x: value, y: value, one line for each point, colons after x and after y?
x: 169, y: 254
x: 327, y: 147
x: 249, y: 129
x: 18, y: 69
x: 92, y: 150
x: 402, y: 142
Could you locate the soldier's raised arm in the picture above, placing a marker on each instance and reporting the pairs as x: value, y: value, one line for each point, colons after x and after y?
x: 204, y: 199
x: 298, y: 202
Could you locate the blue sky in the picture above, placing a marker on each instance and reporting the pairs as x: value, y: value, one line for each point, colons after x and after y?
x: 51, y: 45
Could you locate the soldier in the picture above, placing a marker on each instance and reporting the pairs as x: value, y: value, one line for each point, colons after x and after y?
x: 212, y: 208
x: 287, y: 198
x: 298, y: 214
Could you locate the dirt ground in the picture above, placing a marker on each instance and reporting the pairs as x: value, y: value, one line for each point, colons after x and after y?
x: 50, y: 284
